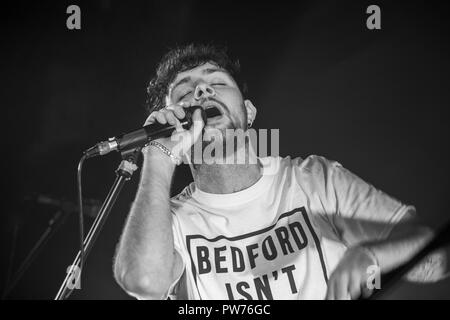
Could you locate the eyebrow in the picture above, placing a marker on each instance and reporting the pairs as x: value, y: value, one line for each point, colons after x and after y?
x: 206, y: 71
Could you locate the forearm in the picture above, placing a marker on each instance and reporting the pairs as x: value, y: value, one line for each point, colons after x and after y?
x: 403, y: 243
x: 349, y: 279
x: 145, y: 253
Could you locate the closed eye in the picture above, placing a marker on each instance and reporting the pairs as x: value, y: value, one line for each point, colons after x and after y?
x: 184, y: 95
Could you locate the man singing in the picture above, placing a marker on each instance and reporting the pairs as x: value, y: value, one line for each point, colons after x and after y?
x: 263, y: 228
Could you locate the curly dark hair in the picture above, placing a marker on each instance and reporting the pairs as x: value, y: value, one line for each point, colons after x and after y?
x: 185, y: 58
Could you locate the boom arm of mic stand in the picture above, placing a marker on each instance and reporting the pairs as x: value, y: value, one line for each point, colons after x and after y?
x: 58, y: 219
x: 123, y: 174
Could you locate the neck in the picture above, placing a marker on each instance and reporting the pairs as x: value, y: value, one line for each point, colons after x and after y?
x: 227, y: 178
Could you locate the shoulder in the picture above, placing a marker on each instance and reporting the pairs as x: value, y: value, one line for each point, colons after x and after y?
x: 312, y: 164
x: 315, y: 173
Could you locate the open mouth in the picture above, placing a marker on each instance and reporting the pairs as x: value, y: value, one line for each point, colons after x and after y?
x: 218, y: 112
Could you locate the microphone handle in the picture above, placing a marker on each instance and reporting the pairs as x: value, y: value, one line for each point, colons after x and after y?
x: 156, y: 130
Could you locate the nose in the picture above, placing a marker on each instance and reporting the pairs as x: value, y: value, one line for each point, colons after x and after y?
x: 203, y: 91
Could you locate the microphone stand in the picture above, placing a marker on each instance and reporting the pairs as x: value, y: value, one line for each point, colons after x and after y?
x: 58, y: 219
x: 123, y: 174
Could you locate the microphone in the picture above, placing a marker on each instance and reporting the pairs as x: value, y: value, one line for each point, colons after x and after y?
x: 139, y: 137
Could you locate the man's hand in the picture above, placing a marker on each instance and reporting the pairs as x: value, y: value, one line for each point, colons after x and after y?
x: 349, y: 279
x: 181, y: 140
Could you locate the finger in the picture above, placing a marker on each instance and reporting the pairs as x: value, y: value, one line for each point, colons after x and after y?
x: 150, y: 119
x: 330, y: 289
x: 178, y: 108
x: 366, y: 292
x: 184, y: 104
x: 179, y: 111
x: 173, y: 113
x: 198, y: 124
x: 354, y: 288
x: 341, y: 288
x: 170, y: 117
x: 161, y: 118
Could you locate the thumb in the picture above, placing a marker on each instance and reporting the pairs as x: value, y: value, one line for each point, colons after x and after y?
x: 184, y: 139
x: 197, y: 124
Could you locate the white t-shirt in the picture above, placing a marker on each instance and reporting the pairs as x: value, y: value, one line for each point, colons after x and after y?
x: 280, y: 238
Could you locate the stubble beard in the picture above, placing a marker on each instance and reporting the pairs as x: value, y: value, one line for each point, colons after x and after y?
x: 222, y: 139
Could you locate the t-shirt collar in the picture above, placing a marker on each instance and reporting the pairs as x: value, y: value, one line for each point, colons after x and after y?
x: 239, y: 197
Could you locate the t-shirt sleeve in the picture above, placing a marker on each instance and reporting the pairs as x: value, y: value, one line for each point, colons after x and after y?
x: 357, y: 211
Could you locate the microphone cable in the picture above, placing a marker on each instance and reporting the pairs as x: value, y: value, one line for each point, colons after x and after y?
x: 80, y: 213
x: 72, y: 271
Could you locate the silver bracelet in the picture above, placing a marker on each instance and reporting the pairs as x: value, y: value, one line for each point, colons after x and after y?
x: 166, y: 151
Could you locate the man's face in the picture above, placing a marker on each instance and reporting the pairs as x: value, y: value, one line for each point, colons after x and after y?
x: 208, y: 85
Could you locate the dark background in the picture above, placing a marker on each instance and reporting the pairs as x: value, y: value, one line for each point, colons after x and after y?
x: 374, y: 100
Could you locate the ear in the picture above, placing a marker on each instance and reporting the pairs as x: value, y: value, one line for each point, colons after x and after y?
x: 251, y: 111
